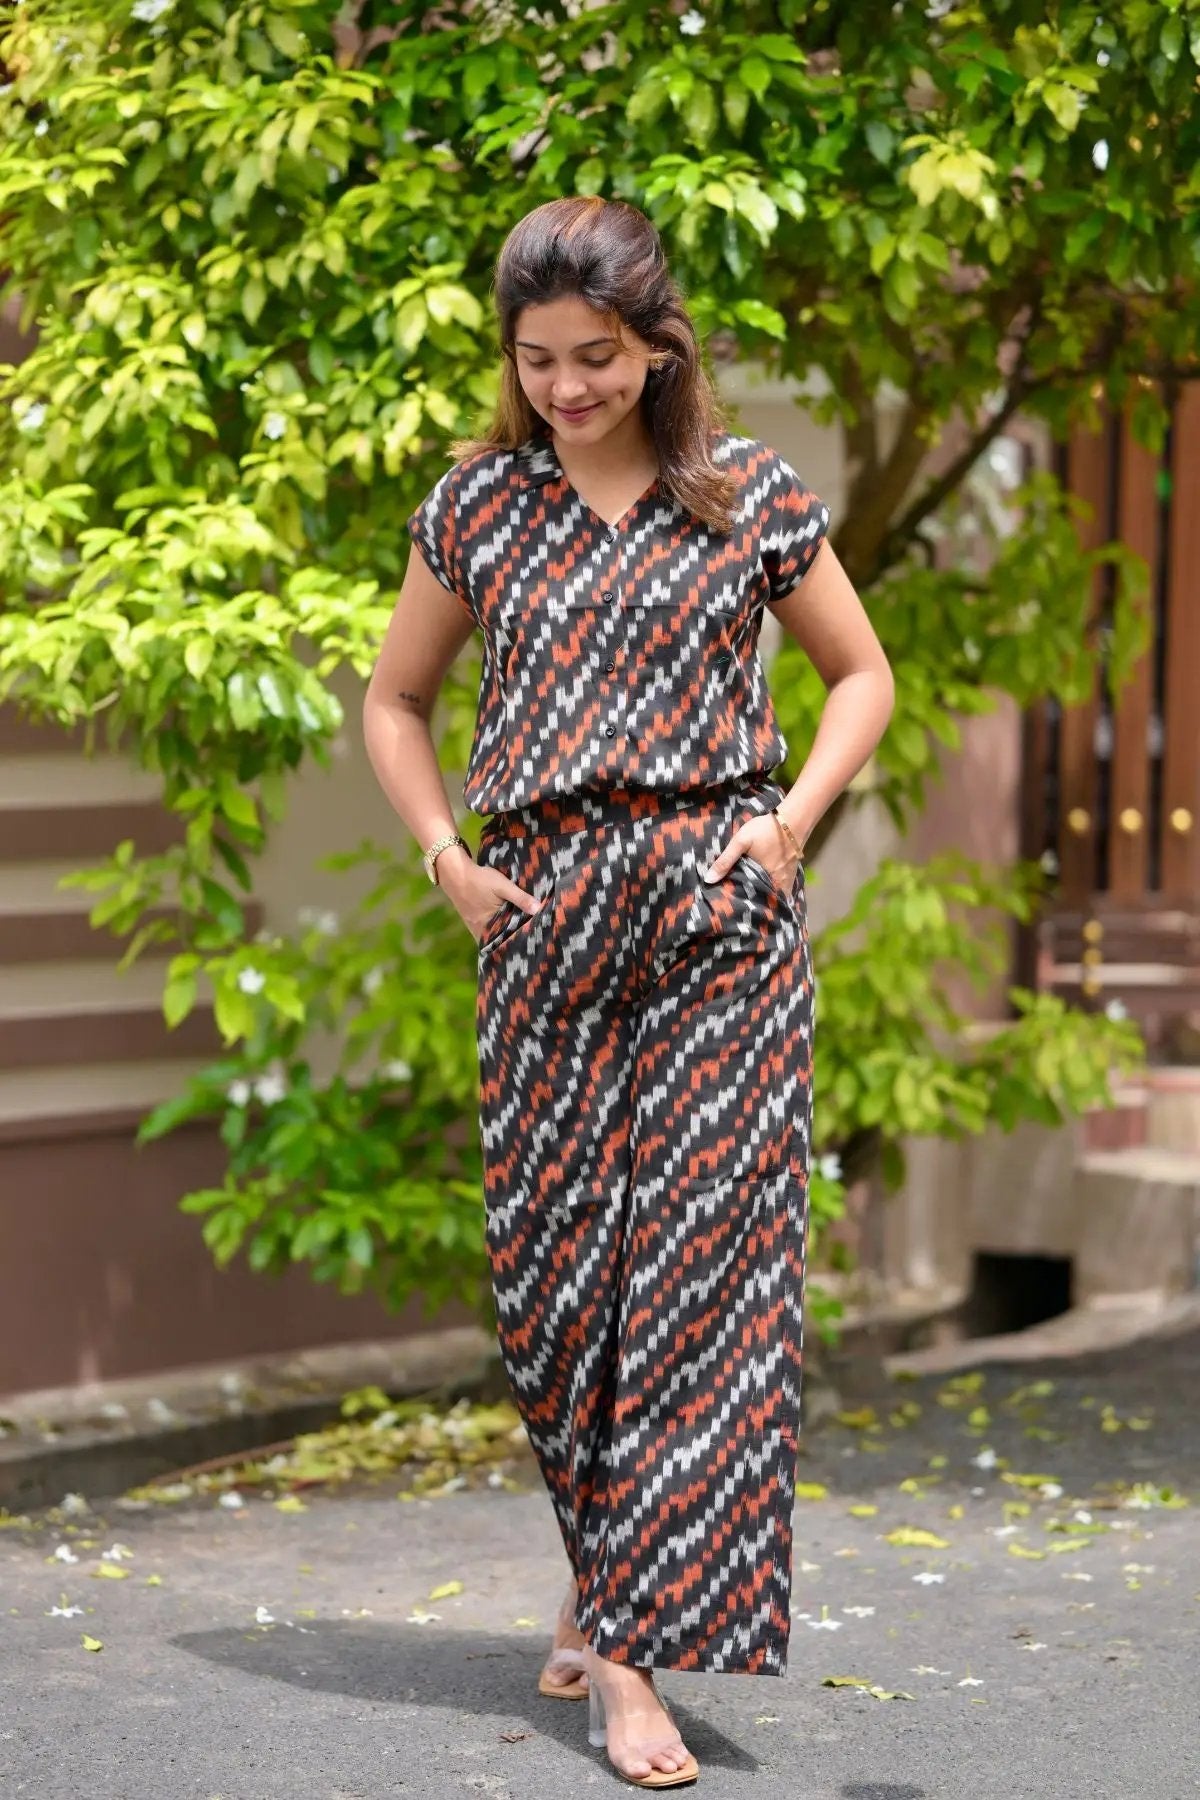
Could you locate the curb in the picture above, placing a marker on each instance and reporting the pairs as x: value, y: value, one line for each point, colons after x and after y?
x: 102, y: 1439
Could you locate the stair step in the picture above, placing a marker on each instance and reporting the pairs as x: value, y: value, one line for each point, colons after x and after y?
x: 40, y: 921
x: 21, y: 735
x: 74, y: 780
x: 87, y: 832
x: 52, y: 1014
x: 80, y: 1098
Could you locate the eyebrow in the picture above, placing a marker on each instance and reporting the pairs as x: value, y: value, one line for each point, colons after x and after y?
x: 526, y: 345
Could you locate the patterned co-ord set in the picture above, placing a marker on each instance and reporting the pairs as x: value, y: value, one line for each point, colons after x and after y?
x: 645, y: 1037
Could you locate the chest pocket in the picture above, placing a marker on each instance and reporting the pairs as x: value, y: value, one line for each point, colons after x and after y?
x: 547, y: 649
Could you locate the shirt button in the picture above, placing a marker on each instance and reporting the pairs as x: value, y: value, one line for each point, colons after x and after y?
x: 610, y: 666
x: 610, y: 731
x: 610, y: 536
x: 608, y: 594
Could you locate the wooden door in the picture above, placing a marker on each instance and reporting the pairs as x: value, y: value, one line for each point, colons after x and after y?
x: 1112, y: 791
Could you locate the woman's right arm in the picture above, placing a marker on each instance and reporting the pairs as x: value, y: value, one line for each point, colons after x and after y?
x: 427, y: 630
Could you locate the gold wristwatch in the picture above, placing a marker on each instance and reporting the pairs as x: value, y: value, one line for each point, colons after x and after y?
x: 429, y: 857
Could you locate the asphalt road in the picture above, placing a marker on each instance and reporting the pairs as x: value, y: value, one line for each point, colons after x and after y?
x: 279, y: 1655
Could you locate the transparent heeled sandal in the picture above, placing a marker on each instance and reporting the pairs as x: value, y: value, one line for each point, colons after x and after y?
x: 564, y: 1659
x: 641, y: 1749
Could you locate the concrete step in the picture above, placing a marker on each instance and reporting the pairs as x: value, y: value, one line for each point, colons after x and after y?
x: 40, y: 921
x: 21, y: 735
x: 60, y: 806
x: 1137, y: 1214
x: 81, y: 1099
x: 53, y: 1014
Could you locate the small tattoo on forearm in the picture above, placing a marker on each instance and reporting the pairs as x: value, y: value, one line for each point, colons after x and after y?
x: 404, y: 695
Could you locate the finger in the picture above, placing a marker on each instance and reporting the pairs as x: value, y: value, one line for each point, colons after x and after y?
x: 528, y: 903
x: 722, y: 861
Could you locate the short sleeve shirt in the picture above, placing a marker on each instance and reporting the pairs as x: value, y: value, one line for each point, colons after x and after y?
x: 621, y: 655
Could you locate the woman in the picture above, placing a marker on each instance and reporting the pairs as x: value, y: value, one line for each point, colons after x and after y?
x: 644, y: 1000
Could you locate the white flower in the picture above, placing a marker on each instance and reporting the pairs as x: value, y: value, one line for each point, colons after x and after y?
x: 1002, y: 1530
x: 160, y: 1412
x: 398, y: 1070
x: 970, y: 1681
x: 1116, y: 1010
x: 1050, y: 1490
x: 1084, y: 1518
x: 419, y: 1616
x: 270, y: 1089
x: 41, y: 128
x: 32, y: 418
x: 692, y: 23
x: 112, y: 1409
x: 73, y: 1503
x: 146, y: 11
x: 64, y: 1553
x: 495, y: 1479
x: 233, y: 1382
x: 238, y: 1092
x: 1076, y: 1575
x: 274, y: 425
x: 117, y: 1553
x: 373, y: 979
x: 1100, y: 154
x: 860, y: 1612
x: 830, y: 1167
x: 251, y: 981
x: 230, y: 1499
x: 1033, y: 1646
x: 1138, y: 1568
x: 263, y: 1617
x: 1049, y: 862
x: 986, y: 1458
x: 926, y: 1577
x: 64, y: 1612
x: 971, y: 650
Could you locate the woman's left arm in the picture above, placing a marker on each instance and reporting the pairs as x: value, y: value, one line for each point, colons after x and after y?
x: 826, y: 617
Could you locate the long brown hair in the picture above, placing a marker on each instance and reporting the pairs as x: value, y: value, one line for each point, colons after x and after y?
x: 610, y: 255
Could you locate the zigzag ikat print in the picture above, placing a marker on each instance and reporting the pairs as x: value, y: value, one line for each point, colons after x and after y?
x: 623, y: 653
x: 645, y: 1059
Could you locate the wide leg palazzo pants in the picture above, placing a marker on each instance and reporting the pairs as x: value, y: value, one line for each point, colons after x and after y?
x: 645, y: 1053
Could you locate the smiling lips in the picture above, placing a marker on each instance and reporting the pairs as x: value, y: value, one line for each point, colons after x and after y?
x: 579, y: 412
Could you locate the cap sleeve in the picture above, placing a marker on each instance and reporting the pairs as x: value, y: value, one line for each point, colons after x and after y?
x: 434, y: 527
x: 792, y: 525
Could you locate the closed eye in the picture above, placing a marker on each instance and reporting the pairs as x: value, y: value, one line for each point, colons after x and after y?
x: 587, y: 365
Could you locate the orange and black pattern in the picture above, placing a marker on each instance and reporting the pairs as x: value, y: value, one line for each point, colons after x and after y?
x: 645, y: 1056
x: 616, y: 654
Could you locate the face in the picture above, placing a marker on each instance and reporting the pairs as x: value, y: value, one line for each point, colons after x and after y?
x: 568, y: 363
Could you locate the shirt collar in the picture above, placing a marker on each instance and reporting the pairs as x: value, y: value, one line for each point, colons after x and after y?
x: 538, y: 459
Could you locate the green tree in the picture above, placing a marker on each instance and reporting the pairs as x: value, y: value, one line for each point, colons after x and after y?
x: 256, y: 244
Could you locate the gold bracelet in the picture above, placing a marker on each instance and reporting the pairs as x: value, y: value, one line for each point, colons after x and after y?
x: 790, y: 834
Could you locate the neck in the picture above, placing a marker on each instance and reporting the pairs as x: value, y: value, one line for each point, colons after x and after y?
x: 628, y: 446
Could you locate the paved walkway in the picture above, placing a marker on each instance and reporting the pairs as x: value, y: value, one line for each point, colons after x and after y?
x: 260, y: 1654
